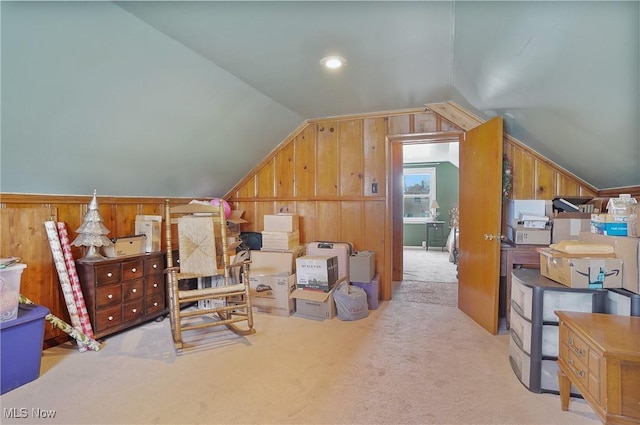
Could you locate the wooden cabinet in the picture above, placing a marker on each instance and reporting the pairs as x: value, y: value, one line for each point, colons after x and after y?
x: 123, y: 292
x: 600, y: 354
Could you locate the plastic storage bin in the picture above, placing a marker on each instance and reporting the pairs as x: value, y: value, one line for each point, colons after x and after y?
x: 10, y: 290
x: 21, y: 347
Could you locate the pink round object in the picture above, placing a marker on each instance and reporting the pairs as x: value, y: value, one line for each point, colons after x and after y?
x: 227, y: 208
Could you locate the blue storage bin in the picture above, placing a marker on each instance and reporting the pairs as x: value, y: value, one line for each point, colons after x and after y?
x: 21, y: 347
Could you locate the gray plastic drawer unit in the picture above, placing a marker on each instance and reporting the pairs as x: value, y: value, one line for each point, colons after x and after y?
x: 623, y: 302
x: 533, y: 347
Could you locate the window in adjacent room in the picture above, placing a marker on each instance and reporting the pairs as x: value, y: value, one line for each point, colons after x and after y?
x: 419, y: 189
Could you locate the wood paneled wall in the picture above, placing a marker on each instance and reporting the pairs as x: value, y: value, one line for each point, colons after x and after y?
x: 323, y: 172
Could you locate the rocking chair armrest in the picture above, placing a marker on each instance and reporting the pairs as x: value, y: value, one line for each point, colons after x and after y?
x: 170, y: 269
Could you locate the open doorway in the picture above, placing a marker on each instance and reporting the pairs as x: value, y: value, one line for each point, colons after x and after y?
x: 430, y: 191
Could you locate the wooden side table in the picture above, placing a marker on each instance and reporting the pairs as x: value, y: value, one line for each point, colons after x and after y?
x: 511, y: 256
x: 600, y: 355
x: 437, y: 226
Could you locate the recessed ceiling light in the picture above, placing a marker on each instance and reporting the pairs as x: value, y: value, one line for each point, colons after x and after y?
x: 333, y: 62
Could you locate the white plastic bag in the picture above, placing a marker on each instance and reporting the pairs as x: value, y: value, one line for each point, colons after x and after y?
x: 351, y: 302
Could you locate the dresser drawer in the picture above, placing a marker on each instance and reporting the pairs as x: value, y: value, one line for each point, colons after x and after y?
x: 108, y: 274
x: 524, y: 333
x: 154, y: 284
x: 108, y: 318
x: 154, y: 265
x: 108, y: 295
x: 132, y: 289
x: 132, y: 269
x: 133, y: 310
x: 154, y: 303
x: 583, y: 362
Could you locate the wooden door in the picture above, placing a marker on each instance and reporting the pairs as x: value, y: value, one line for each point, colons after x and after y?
x: 480, y: 218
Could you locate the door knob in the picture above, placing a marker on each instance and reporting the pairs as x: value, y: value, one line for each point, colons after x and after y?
x: 491, y: 236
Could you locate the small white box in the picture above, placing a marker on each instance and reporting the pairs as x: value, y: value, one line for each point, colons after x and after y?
x: 527, y: 207
x: 280, y: 240
x: 362, y: 266
x: 281, y: 222
x: 150, y: 226
x: 272, y: 294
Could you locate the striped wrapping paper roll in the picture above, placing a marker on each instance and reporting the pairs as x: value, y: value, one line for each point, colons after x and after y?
x: 61, y: 267
x: 76, y: 289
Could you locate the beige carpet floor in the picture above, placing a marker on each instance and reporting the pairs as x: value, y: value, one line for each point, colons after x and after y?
x: 428, y: 277
x: 406, y: 363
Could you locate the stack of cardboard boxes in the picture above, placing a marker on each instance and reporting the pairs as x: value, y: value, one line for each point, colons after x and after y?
x: 273, y: 268
x: 528, y: 222
x: 612, y: 261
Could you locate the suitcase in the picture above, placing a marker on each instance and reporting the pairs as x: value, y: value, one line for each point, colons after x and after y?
x: 342, y: 250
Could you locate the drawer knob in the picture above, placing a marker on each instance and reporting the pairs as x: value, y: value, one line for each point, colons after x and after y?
x: 578, y: 372
x: 133, y: 269
x: 155, y: 304
x: 578, y: 351
x: 110, y: 318
x: 155, y: 266
x: 135, y: 310
x: 109, y: 274
x: 110, y: 296
x: 134, y: 290
x: 155, y: 285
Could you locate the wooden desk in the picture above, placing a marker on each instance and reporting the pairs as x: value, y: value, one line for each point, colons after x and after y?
x: 436, y: 226
x: 511, y: 256
x: 600, y: 355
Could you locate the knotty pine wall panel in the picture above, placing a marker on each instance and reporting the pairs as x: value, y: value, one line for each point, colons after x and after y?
x: 327, y: 159
x: 328, y: 224
x: 374, y: 134
x: 399, y: 124
x: 424, y: 122
x: 305, y: 162
x: 351, y: 222
x: 350, y: 154
x: 308, y: 219
x: 284, y: 166
x: 265, y: 180
x: 543, y: 181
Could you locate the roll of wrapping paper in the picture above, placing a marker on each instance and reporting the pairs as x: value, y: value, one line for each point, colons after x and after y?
x: 63, y: 276
x: 57, y: 322
x: 76, y: 289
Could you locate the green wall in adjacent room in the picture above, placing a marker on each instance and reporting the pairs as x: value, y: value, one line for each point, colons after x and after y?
x: 447, y: 194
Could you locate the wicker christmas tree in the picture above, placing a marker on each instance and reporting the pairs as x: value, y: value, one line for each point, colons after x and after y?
x: 92, y: 233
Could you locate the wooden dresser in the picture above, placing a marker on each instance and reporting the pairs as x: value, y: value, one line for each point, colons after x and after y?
x: 123, y: 292
x: 600, y: 355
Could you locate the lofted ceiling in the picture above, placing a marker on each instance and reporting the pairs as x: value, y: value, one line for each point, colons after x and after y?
x: 563, y: 75
x: 225, y: 82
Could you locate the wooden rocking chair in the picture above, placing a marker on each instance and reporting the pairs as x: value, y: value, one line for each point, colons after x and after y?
x: 204, y: 253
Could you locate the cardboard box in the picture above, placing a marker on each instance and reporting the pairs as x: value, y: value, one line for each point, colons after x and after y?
x: 633, y: 220
x: 314, y: 304
x: 576, y: 271
x: 234, y: 221
x: 128, y: 245
x: 21, y: 347
x: 316, y: 272
x: 609, y: 224
x: 272, y: 294
x: 280, y: 240
x: 567, y: 226
x: 523, y: 236
x: 362, y: 266
x: 150, y: 226
x: 625, y: 248
x: 372, y: 289
x: 265, y: 262
x: 281, y: 222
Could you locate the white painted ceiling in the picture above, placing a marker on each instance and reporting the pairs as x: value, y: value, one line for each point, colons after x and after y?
x: 563, y: 74
x: 181, y: 98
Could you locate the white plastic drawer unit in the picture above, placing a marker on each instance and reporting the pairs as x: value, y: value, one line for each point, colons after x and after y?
x: 524, y: 335
x: 540, y: 376
x: 623, y: 303
x: 536, y: 298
